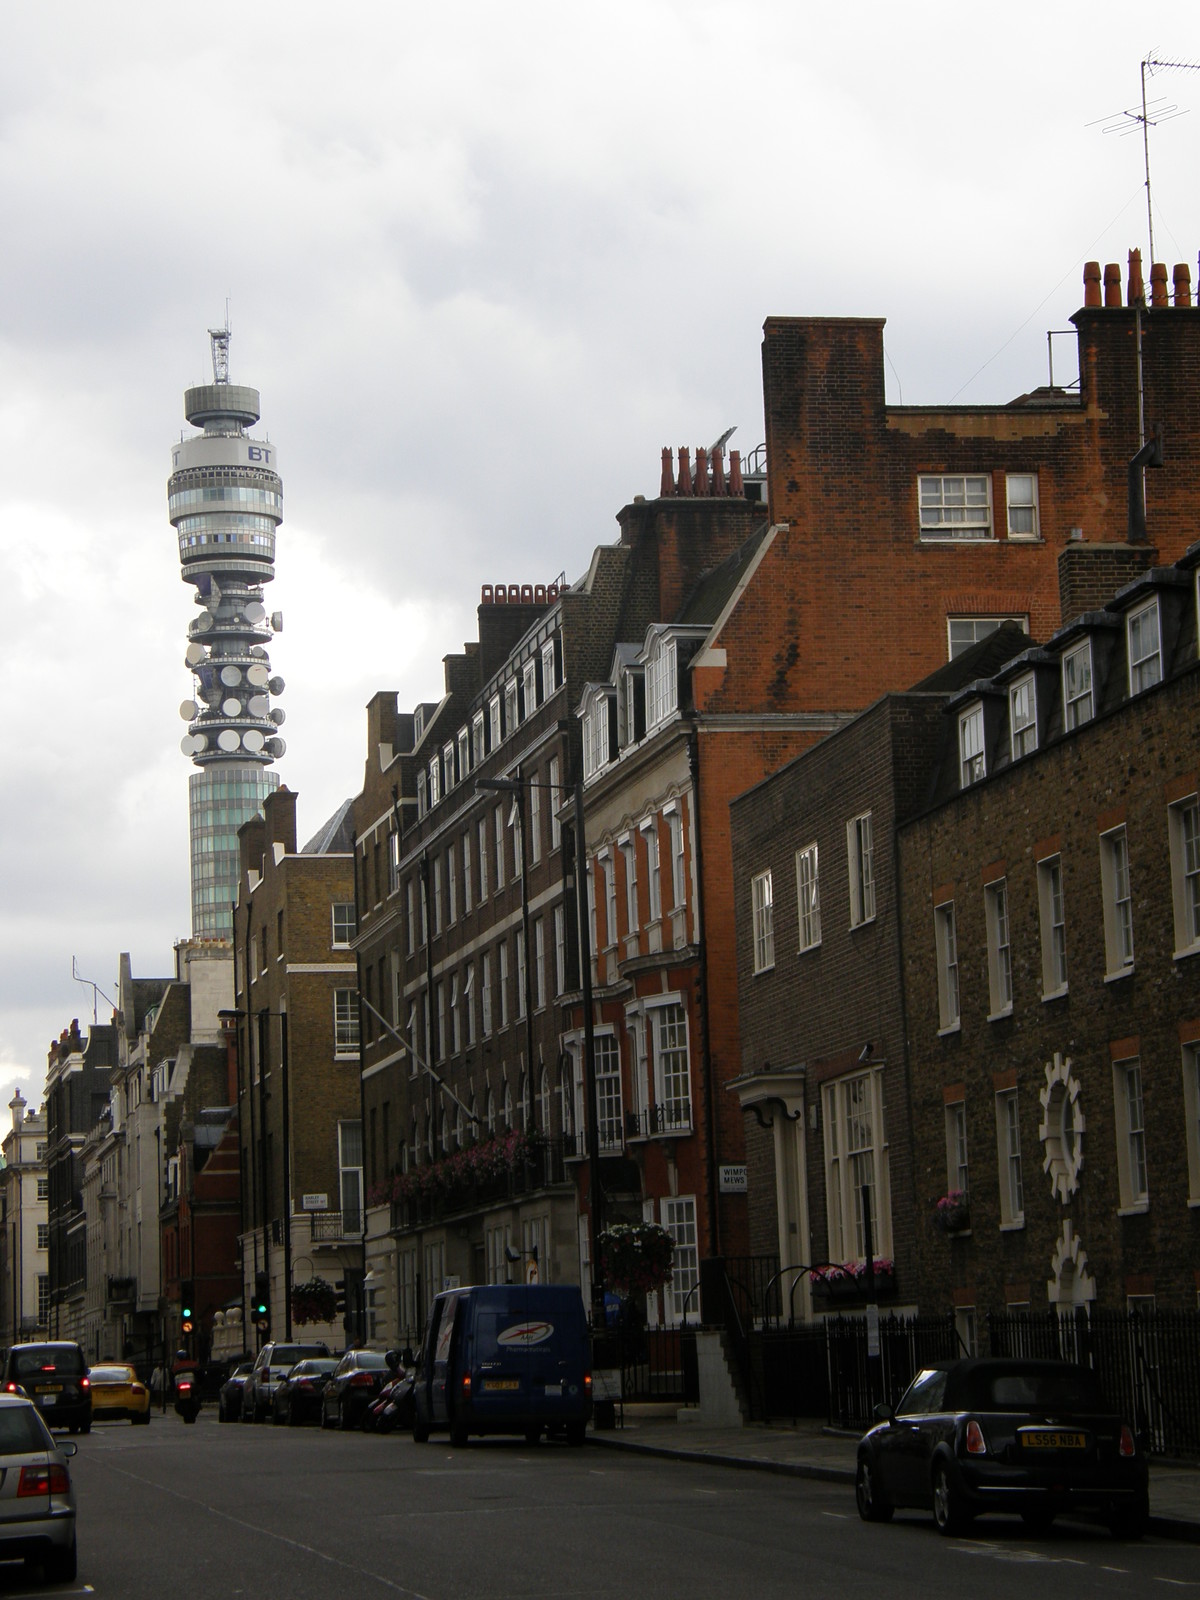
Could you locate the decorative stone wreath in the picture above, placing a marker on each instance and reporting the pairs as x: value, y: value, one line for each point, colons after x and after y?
x: 1062, y: 1129
x: 1072, y: 1283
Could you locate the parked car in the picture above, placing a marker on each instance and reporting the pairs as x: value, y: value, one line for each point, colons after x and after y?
x: 229, y: 1397
x: 353, y: 1384
x: 298, y: 1396
x: 273, y: 1363
x: 37, y: 1498
x: 1030, y: 1437
x: 505, y: 1358
x: 54, y: 1375
x: 117, y: 1393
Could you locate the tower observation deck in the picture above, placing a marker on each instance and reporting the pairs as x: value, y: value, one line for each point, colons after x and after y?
x: 225, y: 502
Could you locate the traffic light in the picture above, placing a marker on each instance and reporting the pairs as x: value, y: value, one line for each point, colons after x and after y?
x: 186, y: 1303
x: 339, y: 1297
x: 262, y: 1297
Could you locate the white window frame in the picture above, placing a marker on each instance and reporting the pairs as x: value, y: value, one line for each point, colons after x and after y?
x: 554, y: 779
x: 979, y: 628
x: 1183, y: 834
x: 662, y: 683
x: 549, y: 676
x: 1053, y: 920
x: 485, y: 993
x: 610, y: 1116
x: 1078, y: 705
x: 464, y: 754
x: 451, y: 885
x: 1008, y: 1159
x: 763, y: 921
x: 437, y: 895
x: 483, y: 859
x: 448, y: 766
x: 560, y: 949
x: 860, y: 851
x: 856, y: 1152
x: 435, y: 779
x: 345, y: 1023
x: 502, y: 981
x: 1144, y: 646
x: 946, y: 944
x: 535, y: 823
x: 1129, y: 1111
x: 1117, y: 897
x: 498, y: 827
x: 671, y: 1038
x: 1022, y: 502
x: 539, y: 963
x: 679, y: 1220
x: 1191, y: 1107
x: 610, y: 899
x: 1022, y: 716
x: 596, y: 752
x: 648, y: 829
x: 955, y: 505
x: 510, y: 707
x: 808, y: 896
x: 495, y: 725
x: 972, y: 758
x: 350, y: 1176
x: 467, y: 870
x: 999, y: 948
x: 519, y: 965
x: 627, y: 845
x: 345, y: 924
x: 468, y: 995
x: 674, y: 818
x: 478, y: 738
x: 958, y: 1156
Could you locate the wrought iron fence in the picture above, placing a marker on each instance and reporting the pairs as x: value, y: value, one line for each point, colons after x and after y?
x: 654, y: 1363
x: 1148, y: 1361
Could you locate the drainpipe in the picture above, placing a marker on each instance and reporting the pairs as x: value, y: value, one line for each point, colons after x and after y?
x: 706, y: 1070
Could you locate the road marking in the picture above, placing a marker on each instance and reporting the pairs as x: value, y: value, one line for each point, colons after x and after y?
x: 838, y: 1516
x: 268, y: 1533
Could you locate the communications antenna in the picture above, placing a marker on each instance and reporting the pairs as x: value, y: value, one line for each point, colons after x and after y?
x: 94, y: 987
x: 1148, y: 116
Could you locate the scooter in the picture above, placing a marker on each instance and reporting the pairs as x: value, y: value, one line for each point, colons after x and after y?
x: 393, y: 1409
x: 187, y: 1397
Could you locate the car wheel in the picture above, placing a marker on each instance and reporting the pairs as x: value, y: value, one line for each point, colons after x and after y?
x: 142, y: 1420
x: 458, y: 1435
x: 1131, y: 1522
x: 576, y: 1432
x: 873, y: 1505
x: 420, y: 1431
x: 85, y: 1427
x: 948, y: 1512
x: 344, y: 1422
x: 60, y: 1566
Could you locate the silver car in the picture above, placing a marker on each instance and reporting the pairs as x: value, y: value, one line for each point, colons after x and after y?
x: 37, y: 1497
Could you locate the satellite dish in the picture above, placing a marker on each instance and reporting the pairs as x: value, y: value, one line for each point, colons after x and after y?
x: 258, y: 676
x: 231, y: 676
x: 187, y: 744
x: 194, y: 654
x: 203, y: 622
x: 199, y: 743
x: 277, y: 622
x: 255, y: 612
x: 229, y: 739
x: 279, y: 716
x: 259, y: 654
x: 231, y: 707
x: 253, y: 740
x: 188, y: 709
x: 258, y: 705
x: 277, y: 747
x: 277, y: 686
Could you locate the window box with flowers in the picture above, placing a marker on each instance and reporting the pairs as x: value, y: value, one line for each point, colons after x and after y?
x: 952, y: 1214
x: 851, y: 1281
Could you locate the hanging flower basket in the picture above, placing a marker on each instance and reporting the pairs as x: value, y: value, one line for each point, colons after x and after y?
x: 314, y: 1301
x: 635, y: 1257
x: 953, y: 1212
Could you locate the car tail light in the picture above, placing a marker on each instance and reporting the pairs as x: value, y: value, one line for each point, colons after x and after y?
x: 85, y: 1383
x: 976, y: 1443
x: 466, y: 1383
x: 1127, y: 1446
x: 43, y: 1480
x: 302, y: 1383
x: 587, y: 1382
x: 362, y: 1380
x: 10, y: 1388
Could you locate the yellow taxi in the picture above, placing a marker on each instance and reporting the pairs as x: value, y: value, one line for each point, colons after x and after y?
x: 117, y: 1392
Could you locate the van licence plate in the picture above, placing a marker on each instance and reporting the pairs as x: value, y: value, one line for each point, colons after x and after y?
x: 502, y: 1383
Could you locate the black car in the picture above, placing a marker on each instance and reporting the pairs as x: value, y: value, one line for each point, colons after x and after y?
x: 1034, y: 1438
x: 229, y: 1399
x: 55, y: 1377
x: 353, y: 1384
x: 297, y: 1397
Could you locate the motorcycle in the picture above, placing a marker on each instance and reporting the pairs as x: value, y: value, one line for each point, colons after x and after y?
x: 187, y: 1396
x: 394, y: 1406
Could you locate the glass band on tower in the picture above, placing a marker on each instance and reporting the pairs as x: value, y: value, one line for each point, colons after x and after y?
x: 225, y: 502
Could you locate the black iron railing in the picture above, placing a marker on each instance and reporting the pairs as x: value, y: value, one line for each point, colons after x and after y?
x: 542, y: 1167
x: 672, y: 1117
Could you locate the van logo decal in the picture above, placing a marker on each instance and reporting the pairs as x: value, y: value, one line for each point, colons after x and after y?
x: 526, y: 1333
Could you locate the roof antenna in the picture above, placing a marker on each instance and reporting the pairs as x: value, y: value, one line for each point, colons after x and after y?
x: 94, y: 987
x: 1152, y: 112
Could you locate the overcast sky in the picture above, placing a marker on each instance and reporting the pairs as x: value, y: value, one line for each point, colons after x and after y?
x: 483, y: 262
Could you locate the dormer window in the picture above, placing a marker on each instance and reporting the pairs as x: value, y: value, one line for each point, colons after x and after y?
x: 434, y: 784
x: 478, y: 738
x: 529, y: 687
x: 447, y: 768
x: 464, y: 754
x: 596, y: 751
x: 510, y: 706
x: 1022, y: 716
x: 418, y: 723
x: 662, y: 686
x: 1145, y: 649
x: 549, y: 676
x: 972, y: 766
x: 1077, y: 685
x: 494, y: 734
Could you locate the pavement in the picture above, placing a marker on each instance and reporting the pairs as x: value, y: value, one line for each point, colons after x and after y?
x: 810, y: 1449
